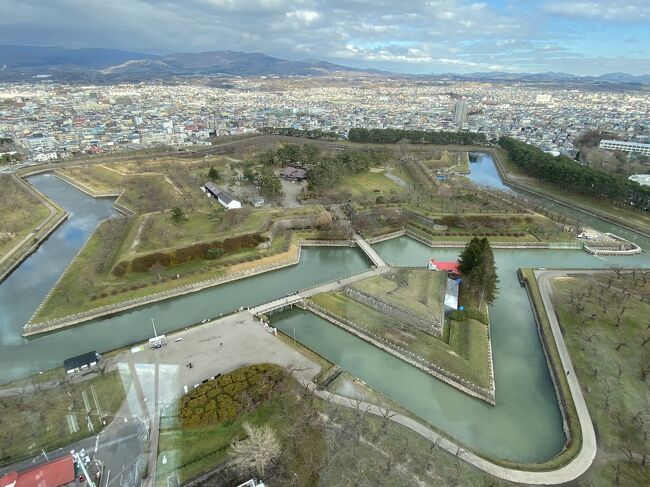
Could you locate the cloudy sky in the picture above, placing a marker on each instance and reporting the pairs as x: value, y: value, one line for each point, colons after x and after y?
x: 417, y: 36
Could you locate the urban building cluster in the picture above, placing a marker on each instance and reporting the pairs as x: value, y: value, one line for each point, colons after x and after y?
x: 51, y: 121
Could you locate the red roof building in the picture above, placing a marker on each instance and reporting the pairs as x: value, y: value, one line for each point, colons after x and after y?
x: 52, y: 474
x: 449, y: 267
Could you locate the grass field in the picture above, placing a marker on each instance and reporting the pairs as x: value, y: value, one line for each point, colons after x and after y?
x: 20, y: 213
x: 369, y: 185
x: 465, y: 355
x: 610, y: 361
x: 420, y: 291
x: 45, y: 415
x: 322, y: 444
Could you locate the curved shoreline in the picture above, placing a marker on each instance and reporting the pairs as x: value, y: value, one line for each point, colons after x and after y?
x: 504, y: 174
x: 575, y: 466
x: 41, y: 232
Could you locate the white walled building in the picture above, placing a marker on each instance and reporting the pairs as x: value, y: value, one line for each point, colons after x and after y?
x: 635, y: 147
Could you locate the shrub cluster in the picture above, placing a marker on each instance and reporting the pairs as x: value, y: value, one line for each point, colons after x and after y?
x: 469, y: 314
x: 227, y: 396
x: 198, y: 251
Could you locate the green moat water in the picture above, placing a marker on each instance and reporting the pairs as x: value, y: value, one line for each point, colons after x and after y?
x: 524, y: 426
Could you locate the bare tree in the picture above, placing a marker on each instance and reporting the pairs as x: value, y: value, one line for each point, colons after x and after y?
x: 256, y: 452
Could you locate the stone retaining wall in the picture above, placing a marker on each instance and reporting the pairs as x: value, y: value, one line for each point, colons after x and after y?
x: 403, y: 315
x: 386, y: 236
x: 430, y: 368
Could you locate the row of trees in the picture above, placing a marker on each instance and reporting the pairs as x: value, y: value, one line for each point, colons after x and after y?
x: 392, y: 136
x: 290, y: 154
x: 476, y: 265
x: 567, y: 174
x: 308, y: 134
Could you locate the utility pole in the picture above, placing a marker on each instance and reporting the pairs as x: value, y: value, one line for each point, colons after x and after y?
x: 154, y: 328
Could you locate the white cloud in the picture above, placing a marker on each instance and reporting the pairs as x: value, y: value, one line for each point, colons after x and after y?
x: 307, y: 17
x: 625, y: 10
x: 418, y: 35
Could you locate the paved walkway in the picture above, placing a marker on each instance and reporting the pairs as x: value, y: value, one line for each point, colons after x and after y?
x: 323, y: 288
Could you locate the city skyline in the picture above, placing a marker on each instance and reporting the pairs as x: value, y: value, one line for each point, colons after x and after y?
x: 583, y: 37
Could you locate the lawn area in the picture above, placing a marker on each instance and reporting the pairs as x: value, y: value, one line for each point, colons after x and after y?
x: 370, y: 185
x: 52, y: 411
x: 20, y: 213
x: 612, y: 363
x: 421, y: 291
x: 321, y: 444
x: 465, y: 355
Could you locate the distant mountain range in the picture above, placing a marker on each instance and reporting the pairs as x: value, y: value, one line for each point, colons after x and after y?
x: 553, y: 77
x: 24, y: 63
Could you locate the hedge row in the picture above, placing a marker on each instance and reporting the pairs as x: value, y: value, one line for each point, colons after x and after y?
x: 198, y: 251
x: 469, y: 314
x: 227, y: 396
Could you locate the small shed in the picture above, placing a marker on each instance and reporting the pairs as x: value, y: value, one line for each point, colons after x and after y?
x: 449, y: 267
x: 294, y: 173
x: 225, y: 199
x: 257, y: 201
x: 81, y: 363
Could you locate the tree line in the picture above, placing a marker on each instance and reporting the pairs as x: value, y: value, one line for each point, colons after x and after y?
x: 566, y: 173
x: 308, y: 134
x: 478, y: 271
x: 392, y: 136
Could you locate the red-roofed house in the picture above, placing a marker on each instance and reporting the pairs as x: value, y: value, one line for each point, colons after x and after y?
x: 449, y: 267
x: 52, y: 474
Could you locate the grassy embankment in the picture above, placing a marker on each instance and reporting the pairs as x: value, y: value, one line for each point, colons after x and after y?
x: 20, y: 213
x: 152, y: 232
x: 492, y: 223
x: 321, y: 443
x: 575, y: 441
x: 624, y: 216
x: 44, y: 411
x: 613, y: 364
x: 462, y: 350
x: 90, y: 281
x: 454, y: 161
x: 158, y: 185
